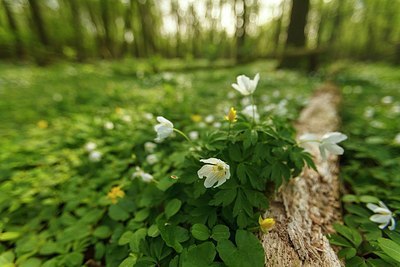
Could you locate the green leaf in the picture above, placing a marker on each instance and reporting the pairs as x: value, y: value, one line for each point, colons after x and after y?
x: 369, y: 199
x: 73, y: 259
x: 220, y: 232
x: 235, y: 153
x: 241, y: 172
x: 117, y: 213
x: 172, y: 207
x: 7, y: 259
x: 125, y: 238
x: 350, y: 198
x: 347, y: 253
x: 339, y: 241
x: 349, y: 233
x: 200, y: 231
x: 391, y: 248
x: 247, y: 252
x: 173, y: 235
x: 224, y: 197
x: 136, y: 238
x: 129, y: 262
x: 141, y: 215
x: 7, y: 236
x: 198, y: 256
x: 102, y: 232
x: 153, y: 231
x: 31, y: 262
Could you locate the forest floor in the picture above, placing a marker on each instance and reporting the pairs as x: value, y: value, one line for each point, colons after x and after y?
x: 49, y: 114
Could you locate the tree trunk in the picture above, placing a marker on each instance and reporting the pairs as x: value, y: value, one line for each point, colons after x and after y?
x: 105, y: 16
x: 308, y: 205
x: 241, y: 23
x: 77, y: 25
x: 296, y: 37
x: 38, y: 22
x: 19, y: 48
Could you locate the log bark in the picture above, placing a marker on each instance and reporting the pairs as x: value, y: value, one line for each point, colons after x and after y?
x: 306, y: 207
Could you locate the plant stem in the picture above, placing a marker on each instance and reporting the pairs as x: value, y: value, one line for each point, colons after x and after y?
x: 181, y: 133
x: 253, y: 109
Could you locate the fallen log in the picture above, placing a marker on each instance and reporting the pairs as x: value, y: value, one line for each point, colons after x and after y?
x: 306, y: 207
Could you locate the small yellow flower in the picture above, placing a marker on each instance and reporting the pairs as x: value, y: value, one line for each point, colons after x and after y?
x: 231, y: 117
x: 42, y: 124
x: 266, y: 224
x: 196, y: 118
x: 115, y: 193
x: 118, y: 110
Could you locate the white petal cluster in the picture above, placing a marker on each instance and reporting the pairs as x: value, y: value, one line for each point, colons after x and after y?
x: 382, y: 215
x: 139, y: 173
x: 90, y: 146
x: 249, y: 111
x: 245, y: 85
x: 163, y: 129
x: 95, y: 156
x: 215, y: 171
x: 149, y: 147
x: 327, y: 144
x: 152, y: 159
x: 108, y: 125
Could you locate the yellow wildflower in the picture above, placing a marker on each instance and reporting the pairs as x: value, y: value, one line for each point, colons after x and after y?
x: 266, y: 224
x: 42, y: 124
x: 231, y: 117
x: 196, y: 118
x: 115, y: 193
x: 118, y: 110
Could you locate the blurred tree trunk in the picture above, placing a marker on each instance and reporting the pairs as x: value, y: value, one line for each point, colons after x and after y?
x: 128, y: 45
x: 241, y: 23
x: 77, y: 25
x: 19, y: 48
x: 105, y: 17
x: 278, y: 28
x: 294, y: 55
x: 38, y: 22
x: 322, y: 20
x: 337, y: 23
x: 296, y: 36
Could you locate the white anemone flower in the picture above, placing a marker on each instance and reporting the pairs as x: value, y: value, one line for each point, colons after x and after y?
x: 146, y: 177
x: 152, y: 159
x: 245, y: 85
x: 109, y: 125
x: 90, y: 146
x: 382, y: 215
x: 251, y: 110
x: 329, y: 144
x: 150, y: 147
x: 163, y: 129
x: 215, y: 171
x: 194, y: 135
x: 95, y: 156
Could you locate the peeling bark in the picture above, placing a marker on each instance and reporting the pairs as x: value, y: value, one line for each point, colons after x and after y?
x: 306, y: 207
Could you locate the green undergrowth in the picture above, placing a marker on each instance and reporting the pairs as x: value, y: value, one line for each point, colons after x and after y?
x: 371, y: 164
x: 55, y: 204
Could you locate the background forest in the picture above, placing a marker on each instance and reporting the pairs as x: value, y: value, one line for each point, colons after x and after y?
x: 46, y: 30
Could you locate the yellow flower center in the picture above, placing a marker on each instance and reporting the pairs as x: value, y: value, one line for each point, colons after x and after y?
x: 219, y: 171
x: 196, y: 118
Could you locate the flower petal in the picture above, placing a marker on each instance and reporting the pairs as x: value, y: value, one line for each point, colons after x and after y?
x: 393, y: 225
x: 334, y: 149
x: 378, y: 218
x: 210, y: 181
x: 205, y: 171
x: 334, y: 137
x: 212, y: 161
x: 164, y: 121
x: 372, y: 207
